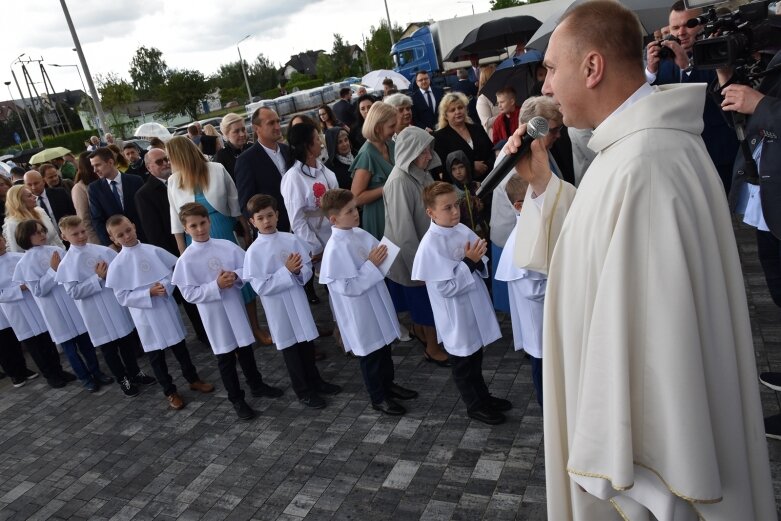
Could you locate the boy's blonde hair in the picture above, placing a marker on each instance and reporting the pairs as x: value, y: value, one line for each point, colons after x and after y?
x: 434, y: 190
x: 115, y: 220
x: 334, y: 200
x: 69, y: 222
x: 516, y: 188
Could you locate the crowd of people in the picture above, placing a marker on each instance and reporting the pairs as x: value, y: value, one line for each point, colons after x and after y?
x: 617, y: 264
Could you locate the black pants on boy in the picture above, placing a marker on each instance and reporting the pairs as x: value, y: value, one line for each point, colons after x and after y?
x: 44, y: 353
x: 300, y: 362
x: 192, y: 313
x: 120, y: 357
x: 378, y: 373
x: 160, y: 367
x: 226, y: 363
x: 468, y: 377
x: 11, y: 356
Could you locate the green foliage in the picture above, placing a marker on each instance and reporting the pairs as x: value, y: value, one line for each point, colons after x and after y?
x: 503, y: 4
x: 238, y: 94
x: 262, y: 74
x: 183, y: 92
x: 148, y: 71
x: 73, y: 141
x: 326, y: 68
x: 303, y: 84
x: 378, y: 45
x: 115, y: 94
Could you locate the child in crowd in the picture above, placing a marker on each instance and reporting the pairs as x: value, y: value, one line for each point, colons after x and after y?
x: 361, y: 302
x: 451, y: 261
x: 527, y: 292
x: 207, y: 274
x: 140, y: 276
x: 278, y: 265
x: 82, y: 272
x: 471, y: 206
x: 37, y: 270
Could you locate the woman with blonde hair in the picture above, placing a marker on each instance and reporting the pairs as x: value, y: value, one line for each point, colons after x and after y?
x: 211, y: 141
x: 235, y: 132
x: 20, y: 206
x: 194, y: 179
x: 487, y: 110
x: 456, y: 131
x: 372, y: 166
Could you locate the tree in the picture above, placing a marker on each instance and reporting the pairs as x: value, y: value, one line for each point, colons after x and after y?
x: 148, y: 71
x: 504, y: 4
x: 182, y: 93
x: 326, y: 68
x: 378, y: 45
x: 263, y: 74
x: 115, y: 94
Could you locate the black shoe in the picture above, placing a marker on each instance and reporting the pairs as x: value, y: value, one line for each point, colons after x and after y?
x: 104, y: 379
x: 441, y: 363
x: 266, y: 390
x: 389, y: 407
x: 128, y: 388
x: 30, y: 375
x: 313, y: 401
x: 3, y: 375
x: 487, y: 415
x: 329, y: 389
x: 773, y: 426
x: 142, y: 379
x: 56, y: 382
x: 311, y: 296
x: 68, y: 377
x: 91, y: 387
x: 243, y: 411
x: 18, y: 381
x: 401, y: 393
x: 498, y: 404
x: 772, y: 380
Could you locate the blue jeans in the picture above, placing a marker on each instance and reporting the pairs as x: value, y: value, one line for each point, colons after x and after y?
x: 88, y: 367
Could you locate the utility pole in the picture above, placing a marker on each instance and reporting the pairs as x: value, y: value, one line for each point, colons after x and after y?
x: 16, y: 109
x: 243, y: 70
x: 390, y: 26
x: 24, y: 103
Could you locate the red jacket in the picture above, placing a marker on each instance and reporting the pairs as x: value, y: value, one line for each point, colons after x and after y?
x: 500, y: 132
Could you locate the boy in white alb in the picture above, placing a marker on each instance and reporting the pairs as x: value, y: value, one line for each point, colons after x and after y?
x: 361, y: 302
x: 82, y: 272
x: 527, y: 292
x: 451, y: 261
x: 277, y: 265
x: 140, y: 276
x: 208, y: 275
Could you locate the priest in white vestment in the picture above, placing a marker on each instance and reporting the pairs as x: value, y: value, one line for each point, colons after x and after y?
x: 651, y: 402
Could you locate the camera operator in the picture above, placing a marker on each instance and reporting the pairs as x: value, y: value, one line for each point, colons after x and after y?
x: 719, y: 138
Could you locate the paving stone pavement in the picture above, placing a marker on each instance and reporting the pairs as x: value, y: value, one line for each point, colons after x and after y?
x: 67, y: 454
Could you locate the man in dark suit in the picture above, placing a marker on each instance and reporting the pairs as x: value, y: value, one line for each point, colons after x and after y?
x: 469, y: 89
x: 135, y: 160
x: 259, y: 169
x: 425, y: 102
x: 55, y: 201
x: 153, y: 210
x: 720, y: 139
x: 114, y: 193
x: 343, y: 109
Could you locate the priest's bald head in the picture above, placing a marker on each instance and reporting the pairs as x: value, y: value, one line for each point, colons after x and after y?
x: 594, y: 61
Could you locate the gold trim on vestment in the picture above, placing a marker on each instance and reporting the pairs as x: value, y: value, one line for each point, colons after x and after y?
x: 549, y: 252
x: 618, y: 509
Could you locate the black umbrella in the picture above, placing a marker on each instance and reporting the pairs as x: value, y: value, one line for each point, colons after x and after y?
x: 503, y: 32
x: 516, y: 72
x: 458, y: 54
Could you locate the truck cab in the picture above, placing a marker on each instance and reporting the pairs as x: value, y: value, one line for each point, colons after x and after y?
x: 414, y: 53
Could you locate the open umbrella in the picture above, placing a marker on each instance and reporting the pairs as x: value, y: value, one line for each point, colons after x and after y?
x: 458, y: 54
x: 48, y: 154
x: 374, y: 79
x: 504, y: 32
x: 516, y: 72
x: 150, y: 130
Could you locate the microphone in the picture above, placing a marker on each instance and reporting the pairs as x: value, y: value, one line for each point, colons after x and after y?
x: 536, y: 128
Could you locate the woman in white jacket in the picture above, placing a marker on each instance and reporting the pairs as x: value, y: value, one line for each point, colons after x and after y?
x: 20, y: 206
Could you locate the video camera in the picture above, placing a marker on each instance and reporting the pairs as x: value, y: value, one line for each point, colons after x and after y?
x: 666, y: 52
x: 730, y: 38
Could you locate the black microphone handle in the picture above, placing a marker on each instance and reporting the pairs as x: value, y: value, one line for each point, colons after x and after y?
x: 503, y: 168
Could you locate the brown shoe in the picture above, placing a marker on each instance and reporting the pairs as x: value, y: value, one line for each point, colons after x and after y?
x: 201, y: 387
x: 263, y: 337
x: 175, y: 401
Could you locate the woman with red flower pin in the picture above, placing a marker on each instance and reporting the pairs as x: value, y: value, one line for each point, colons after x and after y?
x: 302, y: 187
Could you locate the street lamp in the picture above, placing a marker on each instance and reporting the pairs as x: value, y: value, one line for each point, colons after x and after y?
x: 24, y: 103
x: 16, y: 109
x: 243, y: 70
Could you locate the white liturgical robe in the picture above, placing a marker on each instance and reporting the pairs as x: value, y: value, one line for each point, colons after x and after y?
x: 651, y: 397
x: 62, y: 318
x: 463, y: 312
x: 18, y: 305
x: 131, y: 275
x: 360, y: 299
x: 105, y: 319
x: 281, y: 293
x: 222, y: 310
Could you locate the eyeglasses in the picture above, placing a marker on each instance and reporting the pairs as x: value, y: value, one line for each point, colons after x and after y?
x: 159, y: 162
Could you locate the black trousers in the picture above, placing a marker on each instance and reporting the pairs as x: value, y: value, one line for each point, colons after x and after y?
x: 378, y: 373
x: 120, y: 356
x: 44, y: 353
x: 769, y: 250
x: 160, y: 367
x: 11, y: 356
x: 300, y: 362
x: 468, y: 377
x: 226, y: 363
x: 192, y: 313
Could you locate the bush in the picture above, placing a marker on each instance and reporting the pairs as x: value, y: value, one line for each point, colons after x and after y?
x: 73, y: 141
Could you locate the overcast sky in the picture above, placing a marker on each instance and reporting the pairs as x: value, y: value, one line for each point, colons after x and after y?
x: 194, y: 34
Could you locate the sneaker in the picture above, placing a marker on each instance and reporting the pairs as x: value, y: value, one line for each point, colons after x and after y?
x: 91, y: 387
x: 313, y: 401
x: 329, y: 389
x: 103, y: 379
x: 263, y: 389
x: 68, y: 377
x: 243, y: 411
x: 772, y: 380
x: 201, y: 387
x: 773, y: 426
x: 56, y: 382
x: 498, y: 404
x: 128, y: 388
x: 143, y: 379
x: 30, y: 375
x: 18, y: 381
x: 175, y: 401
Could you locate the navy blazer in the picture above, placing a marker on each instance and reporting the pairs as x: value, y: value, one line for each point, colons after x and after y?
x: 422, y: 116
x: 256, y: 173
x: 61, y: 203
x: 154, y: 212
x: 102, y: 205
